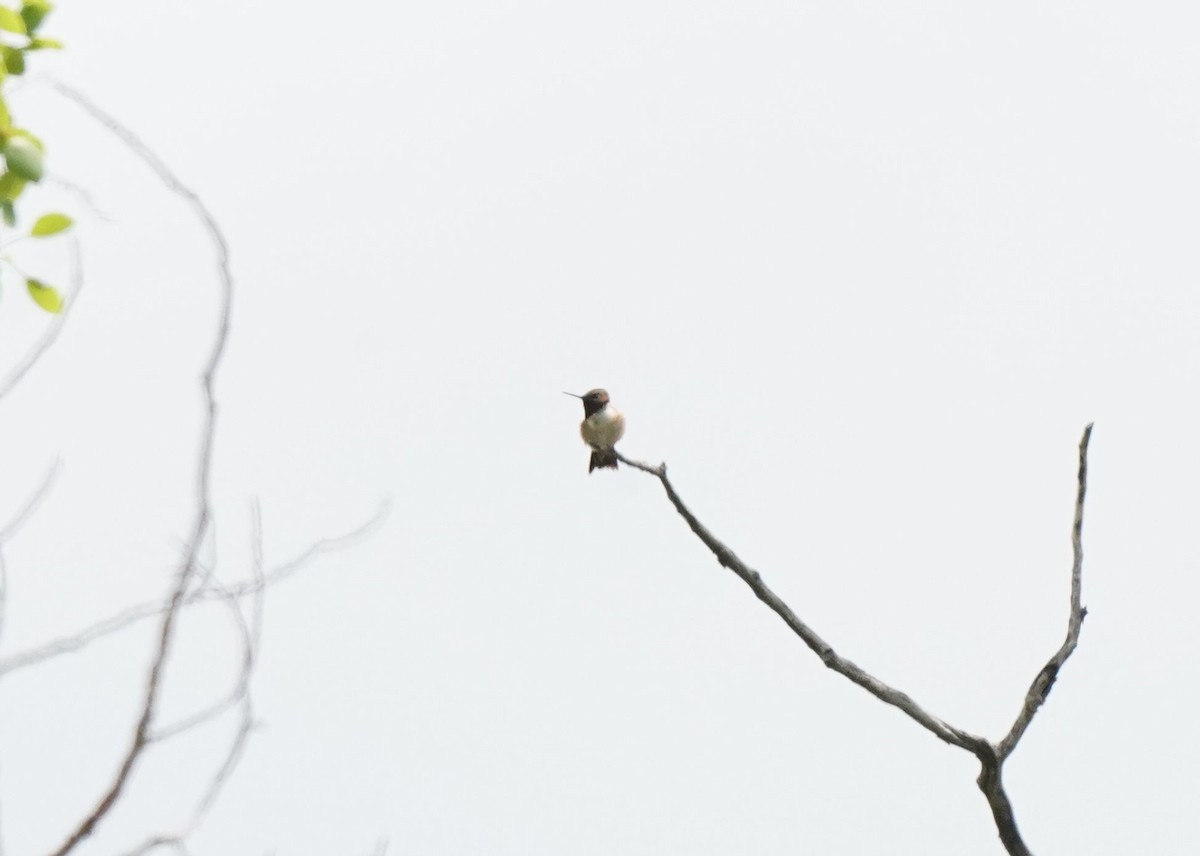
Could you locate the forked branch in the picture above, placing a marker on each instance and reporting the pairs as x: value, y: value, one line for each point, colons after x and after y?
x: 991, y: 756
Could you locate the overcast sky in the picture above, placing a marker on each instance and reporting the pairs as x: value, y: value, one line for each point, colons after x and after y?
x: 859, y: 273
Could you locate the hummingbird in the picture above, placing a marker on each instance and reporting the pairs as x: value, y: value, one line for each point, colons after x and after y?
x: 601, y: 428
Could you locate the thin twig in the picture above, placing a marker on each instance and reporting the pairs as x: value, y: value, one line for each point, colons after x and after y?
x: 1044, y: 682
x: 131, y: 615
x: 253, y: 644
x: 82, y: 194
x: 241, y: 683
x: 53, y: 329
x: 14, y: 524
x: 31, y: 504
x: 202, y: 515
x: 251, y: 637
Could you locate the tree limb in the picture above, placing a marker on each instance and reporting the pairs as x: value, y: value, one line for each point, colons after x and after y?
x: 890, y: 695
x: 991, y: 756
x: 203, y: 513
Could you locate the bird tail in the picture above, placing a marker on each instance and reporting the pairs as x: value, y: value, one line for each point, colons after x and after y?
x: 602, y: 458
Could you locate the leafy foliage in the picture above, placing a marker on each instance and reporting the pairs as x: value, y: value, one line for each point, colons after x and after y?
x: 22, y: 152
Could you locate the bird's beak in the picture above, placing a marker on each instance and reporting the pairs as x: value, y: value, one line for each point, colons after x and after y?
x: 573, y: 395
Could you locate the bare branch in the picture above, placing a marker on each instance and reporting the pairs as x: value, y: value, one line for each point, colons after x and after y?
x: 189, y: 585
x: 253, y: 643
x: 251, y: 636
x: 1044, y: 682
x: 31, y: 504
x: 164, y: 842
x: 241, y: 684
x: 55, y: 326
x: 890, y: 695
x: 132, y: 615
x: 17, y: 521
x: 81, y: 193
x: 991, y: 757
x: 989, y: 780
x: 202, y: 515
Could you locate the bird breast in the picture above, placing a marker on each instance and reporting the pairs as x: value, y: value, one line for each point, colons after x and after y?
x: 603, y: 429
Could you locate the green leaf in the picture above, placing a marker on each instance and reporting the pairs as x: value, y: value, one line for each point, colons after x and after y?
x: 23, y: 158
x: 11, y: 21
x: 50, y: 224
x: 37, y: 43
x: 44, y: 295
x: 5, y: 119
x: 8, y: 212
x: 33, y: 11
x: 14, y: 59
x: 11, y: 186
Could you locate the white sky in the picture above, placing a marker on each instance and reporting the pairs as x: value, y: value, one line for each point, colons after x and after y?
x: 860, y: 273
